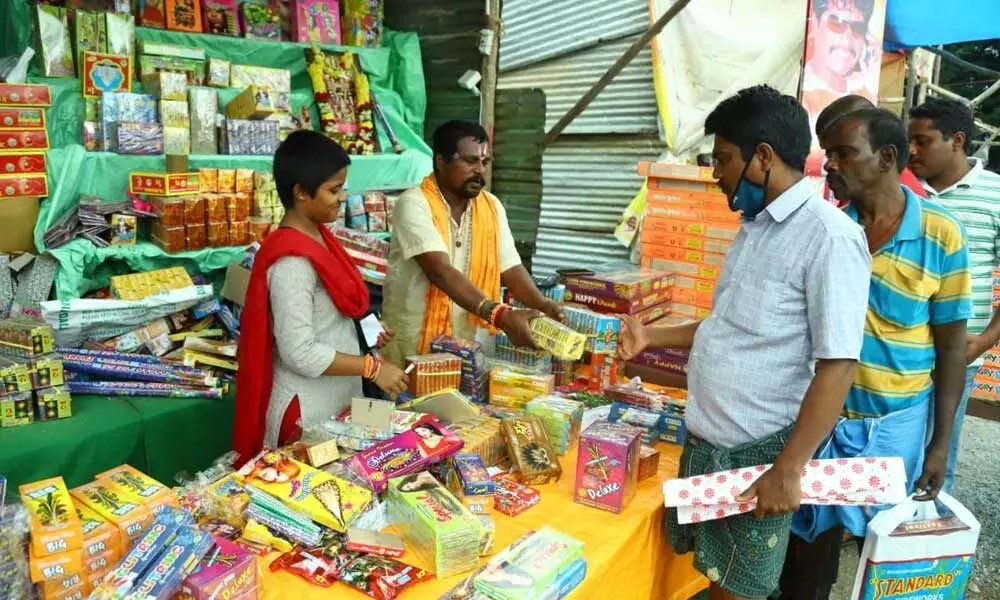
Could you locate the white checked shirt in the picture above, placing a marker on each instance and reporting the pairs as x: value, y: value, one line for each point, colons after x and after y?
x: 793, y: 290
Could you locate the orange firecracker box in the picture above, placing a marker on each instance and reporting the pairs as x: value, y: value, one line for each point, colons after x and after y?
x: 100, y: 537
x: 700, y: 271
x: 690, y: 213
x: 689, y: 311
x: 685, y: 241
x: 662, y: 170
x: 15, y: 117
x: 16, y: 164
x: 653, y: 314
x: 18, y: 140
x: 659, y: 184
x: 694, y: 257
x: 184, y: 15
x: 29, y: 185
x: 697, y: 298
x: 717, y: 231
x: 55, y: 527
x: 55, y: 567
x: 687, y: 198
x: 116, y: 506
x: 25, y: 94
x: 67, y: 587
x: 164, y: 184
x: 153, y: 493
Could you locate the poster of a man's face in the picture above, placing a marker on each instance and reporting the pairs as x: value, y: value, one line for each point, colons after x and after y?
x: 843, y: 56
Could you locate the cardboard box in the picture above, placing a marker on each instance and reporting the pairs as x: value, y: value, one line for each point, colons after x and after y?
x: 683, y: 268
x: 608, y: 305
x: 13, y: 117
x: 55, y: 567
x: 25, y: 94
x: 680, y: 254
x: 18, y: 216
x: 20, y: 141
x: 117, y: 506
x: 689, y: 198
x: 655, y: 184
x: 105, y: 73
x: 718, y: 231
x: 21, y: 163
x: 690, y: 213
x: 31, y: 185
x: 164, y: 184
x: 685, y: 241
x: 100, y: 537
x: 184, y: 15
x: 234, y: 288
x: 252, y: 103
x: 672, y: 171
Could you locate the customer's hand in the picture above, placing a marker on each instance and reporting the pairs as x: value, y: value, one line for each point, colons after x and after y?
x: 553, y: 310
x: 633, y: 339
x: 932, y: 479
x: 516, y: 323
x: 391, y: 379
x: 778, y: 492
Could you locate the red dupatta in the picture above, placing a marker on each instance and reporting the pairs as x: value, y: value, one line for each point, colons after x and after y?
x: 346, y: 288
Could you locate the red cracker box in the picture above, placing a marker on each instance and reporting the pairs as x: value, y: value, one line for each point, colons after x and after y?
x: 604, y: 304
x: 164, y: 184
x: 31, y: 185
x: 15, y: 164
x: 607, y: 467
x: 13, y: 117
x: 512, y: 498
x: 25, y: 94
x: 228, y: 572
x: 624, y: 285
x: 15, y: 140
x: 661, y: 360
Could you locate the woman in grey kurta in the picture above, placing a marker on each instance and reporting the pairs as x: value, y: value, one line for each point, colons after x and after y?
x: 302, y: 300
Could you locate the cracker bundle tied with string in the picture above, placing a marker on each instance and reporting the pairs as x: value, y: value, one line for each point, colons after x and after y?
x: 431, y: 373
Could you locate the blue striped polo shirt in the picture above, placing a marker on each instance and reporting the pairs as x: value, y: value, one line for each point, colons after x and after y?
x: 920, y: 278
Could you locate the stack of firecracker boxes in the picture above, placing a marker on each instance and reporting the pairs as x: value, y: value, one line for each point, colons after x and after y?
x: 32, y: 381
x: 687, y: 230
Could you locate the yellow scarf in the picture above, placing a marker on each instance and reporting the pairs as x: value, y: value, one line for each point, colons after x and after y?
x: 484, y: 266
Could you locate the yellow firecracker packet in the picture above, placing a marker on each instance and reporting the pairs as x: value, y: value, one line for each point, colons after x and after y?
x: 116, y: 505
x: 55, y: 527
x: 152, y: 492
x: 328, y: 500
x: 100, y: 537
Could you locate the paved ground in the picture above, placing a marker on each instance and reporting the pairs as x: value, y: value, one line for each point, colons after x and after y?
x: 978, y: 487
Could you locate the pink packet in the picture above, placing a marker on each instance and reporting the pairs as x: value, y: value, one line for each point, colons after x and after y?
x: 227, y: 571
x: 607, y: 468
x: 316, y: 21
x: 426, y: 443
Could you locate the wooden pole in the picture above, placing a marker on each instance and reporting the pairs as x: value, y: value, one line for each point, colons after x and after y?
x: 490, y: 77
x: 615, y: 69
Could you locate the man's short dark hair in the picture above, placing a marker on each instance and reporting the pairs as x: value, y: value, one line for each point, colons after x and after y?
x: 447, y: 136
x: 867, y: 7
x: 949, y: 117
x: 306, y: 158
x: 838, y: 108
x: 763, y: 115
x: 884, y: 129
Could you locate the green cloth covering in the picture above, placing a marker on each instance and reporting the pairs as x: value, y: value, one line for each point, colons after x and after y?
x: 159, y: 436
x: 741, y: 554
x: 74, y: 171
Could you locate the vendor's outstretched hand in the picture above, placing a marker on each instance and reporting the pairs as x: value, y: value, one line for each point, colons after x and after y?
x: 633, y: 339
x: 391, y: 379
x: 516, y: 323
x: 554, y: 311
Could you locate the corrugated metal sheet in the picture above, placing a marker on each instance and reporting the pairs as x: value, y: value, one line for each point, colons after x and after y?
x: 517, y: 166
x: 449, y: 38
x: 536, y: 30
x: 627, y: 105
x: 587, y: 181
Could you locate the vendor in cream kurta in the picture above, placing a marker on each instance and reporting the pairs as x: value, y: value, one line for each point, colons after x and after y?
x: 450, y: 251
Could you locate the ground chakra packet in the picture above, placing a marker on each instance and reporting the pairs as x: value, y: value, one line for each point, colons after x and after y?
x: 328, y: 500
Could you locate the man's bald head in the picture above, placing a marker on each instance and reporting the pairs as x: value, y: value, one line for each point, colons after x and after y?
x: 838, y: 108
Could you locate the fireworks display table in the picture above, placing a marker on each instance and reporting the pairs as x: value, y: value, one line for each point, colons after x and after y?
x: 160, y: 436
x: 628, y: 555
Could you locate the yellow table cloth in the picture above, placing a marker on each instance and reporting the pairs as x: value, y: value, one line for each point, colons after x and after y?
x: 628, y: 555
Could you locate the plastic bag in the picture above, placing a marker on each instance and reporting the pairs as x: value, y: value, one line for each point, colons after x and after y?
x: 914, y: 550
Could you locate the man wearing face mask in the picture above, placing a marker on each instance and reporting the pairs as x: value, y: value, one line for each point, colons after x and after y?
x: 451, y: 250
x: 770, y: 368
x: 918, y: 303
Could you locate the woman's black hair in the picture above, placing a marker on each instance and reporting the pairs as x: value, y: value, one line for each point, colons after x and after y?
x: 306, y: 158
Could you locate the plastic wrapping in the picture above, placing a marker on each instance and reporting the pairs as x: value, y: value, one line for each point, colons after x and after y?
x: 238, y: 204
x: 435, y: 525
x: 170, y: 239
x: 524, y: 570
x: 171, y: 212
x: 218, y: 234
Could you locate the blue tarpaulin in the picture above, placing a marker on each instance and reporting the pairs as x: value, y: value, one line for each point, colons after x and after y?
x: 911, y: 23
